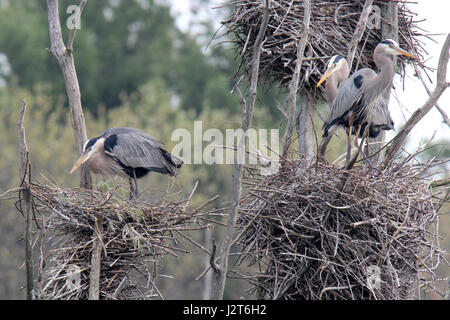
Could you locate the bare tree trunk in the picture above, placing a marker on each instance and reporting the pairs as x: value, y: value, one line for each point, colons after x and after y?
x: 292, y: 115
x: 359, y: 31
x: 305, y: 127
x: 66, y: 62
x: 207, y: 284
x: 221, y: 268
x: 389, y: 30
x: 24, y: 171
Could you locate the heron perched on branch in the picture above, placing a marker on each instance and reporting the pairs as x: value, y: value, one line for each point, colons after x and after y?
x: 129, y: 153
x: 358, y: 103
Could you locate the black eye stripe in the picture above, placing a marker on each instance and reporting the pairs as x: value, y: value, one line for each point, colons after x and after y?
x: 387, y: 42
x: 90, y: 144
x: 338, y: 58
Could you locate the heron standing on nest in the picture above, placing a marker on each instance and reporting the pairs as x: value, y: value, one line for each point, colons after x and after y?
x: 337, y: 71
x: 129, y: 153
x: 358, y: 102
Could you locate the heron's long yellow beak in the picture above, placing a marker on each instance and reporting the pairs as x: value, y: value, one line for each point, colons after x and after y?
x: 402, y: 52
x: 327, y: 74
x: 79, y: 162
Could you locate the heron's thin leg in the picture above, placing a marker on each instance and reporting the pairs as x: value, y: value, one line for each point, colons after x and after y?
x: 136, y: 192
x: 323, y: 147
x: 366, y: 155
x: 349, y: 138
x: 131, y: 189
x: 367, y: 140
x: 358, y: 131
x: 353, y: 160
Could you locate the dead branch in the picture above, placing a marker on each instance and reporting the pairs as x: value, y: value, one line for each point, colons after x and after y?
x: 293, y: 86
x: 220, y: 276
x: 441, y: 85
x: 359, y: 31
x: 444, y: 115
x: 27, y: 204
x: 440, y: 183
x: 66, y: 62
x: 74, y: 30
x: 304, y: 125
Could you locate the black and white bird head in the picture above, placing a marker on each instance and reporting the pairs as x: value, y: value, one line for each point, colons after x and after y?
x: 391, y: 47
x: 90, y: 149
x: 336, y: 64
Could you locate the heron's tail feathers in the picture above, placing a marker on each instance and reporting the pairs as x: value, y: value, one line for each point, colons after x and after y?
x: 172, y: 162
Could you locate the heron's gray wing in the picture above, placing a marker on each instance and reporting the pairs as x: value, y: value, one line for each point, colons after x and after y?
x: 381, y: 116
x: 349, y: 95
x: 135, y: 149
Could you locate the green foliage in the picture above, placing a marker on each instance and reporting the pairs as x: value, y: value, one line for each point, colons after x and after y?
x: 120, y: 46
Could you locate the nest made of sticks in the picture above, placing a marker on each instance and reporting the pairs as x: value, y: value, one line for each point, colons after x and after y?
x: 332, y: 26
x: 136, y: 235
x: 319, y: 232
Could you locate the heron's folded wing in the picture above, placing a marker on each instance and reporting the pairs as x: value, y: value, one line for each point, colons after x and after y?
x: 136, y: 149
x: 381, y: 116
x: 349, y: 95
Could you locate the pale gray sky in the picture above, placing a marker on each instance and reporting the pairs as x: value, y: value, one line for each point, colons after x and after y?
x: 414, y: 95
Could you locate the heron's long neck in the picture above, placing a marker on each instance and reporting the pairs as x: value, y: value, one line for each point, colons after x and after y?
x: 332, y: 89
x: 383, y: 79
x: 332, y: 83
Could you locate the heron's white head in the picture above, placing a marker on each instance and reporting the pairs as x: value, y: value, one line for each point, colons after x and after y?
x: 336, y: 63
x: 90, y: 148
x: 391, y: 47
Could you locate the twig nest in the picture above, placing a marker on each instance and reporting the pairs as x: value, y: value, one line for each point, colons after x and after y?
x: 331, y: 29
x: 318, y: 232
x: 136, y: 235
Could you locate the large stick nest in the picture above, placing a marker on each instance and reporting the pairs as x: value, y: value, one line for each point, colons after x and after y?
x: 136, y: 235
x: 332, y: 26
x: 315, y: 231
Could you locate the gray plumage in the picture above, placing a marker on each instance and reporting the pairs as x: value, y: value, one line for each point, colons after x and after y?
x: 127, y: 152
x: 358, y: 102
x: 136, y: 149
x: 365, y: 106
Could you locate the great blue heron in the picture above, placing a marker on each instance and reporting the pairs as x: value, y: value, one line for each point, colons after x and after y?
x: 337, y: 71
x: 359, y: 101
x: 129, y: 153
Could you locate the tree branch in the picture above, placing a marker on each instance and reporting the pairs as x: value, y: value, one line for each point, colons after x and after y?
x: 359, y: 31
x: 67, y: 65
x: 74, y: 30
x: 445, y: 118
x: 25, y: 175
x: 222, y: 266
x: 441, y: 85
x: 212, y: 259
x: 293, y: 86
x: 440, y: 183
x: 305, y: 126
